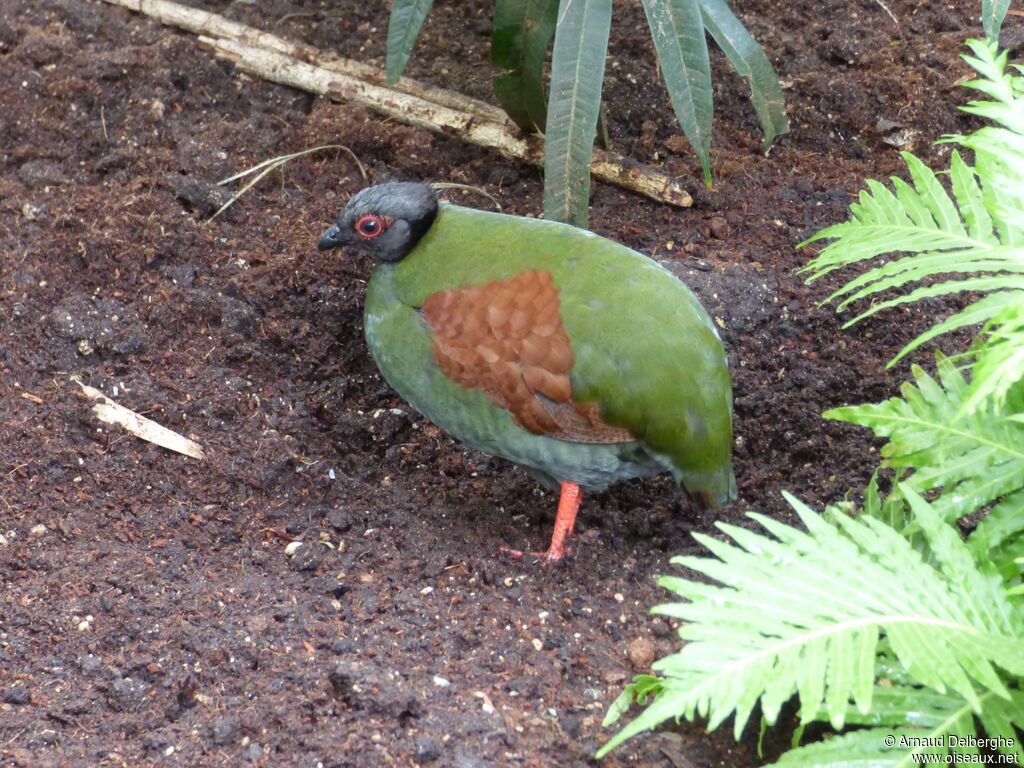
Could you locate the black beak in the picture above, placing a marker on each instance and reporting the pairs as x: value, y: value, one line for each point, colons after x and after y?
x: 330, y: 239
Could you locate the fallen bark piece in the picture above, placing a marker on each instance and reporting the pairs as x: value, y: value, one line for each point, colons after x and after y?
x: 109, y: 412
x: 408, y: 101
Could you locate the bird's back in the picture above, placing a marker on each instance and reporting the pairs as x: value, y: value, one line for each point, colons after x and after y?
x: 643, y: 349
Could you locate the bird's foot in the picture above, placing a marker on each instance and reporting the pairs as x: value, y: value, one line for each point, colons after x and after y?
x: 568, y: 503
x: 552, y: 555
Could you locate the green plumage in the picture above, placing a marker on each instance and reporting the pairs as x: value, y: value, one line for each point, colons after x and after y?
x: 644, y: 350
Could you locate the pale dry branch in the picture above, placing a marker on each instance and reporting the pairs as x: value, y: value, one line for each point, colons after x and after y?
x: 110, y: 412
x: 408, y: 101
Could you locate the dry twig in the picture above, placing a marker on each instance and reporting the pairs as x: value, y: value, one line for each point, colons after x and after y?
x: 109, y: 412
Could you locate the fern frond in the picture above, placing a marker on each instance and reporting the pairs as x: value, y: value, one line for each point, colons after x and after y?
x: 803, y: 613
x: 974, y: 457
x: 920, y: 723
x: 999, y: 358
x: 1003, y: 719
x: 976, y: 229
x: 976, y: 314
x: 999, y: 536
x: 910, y: 747
x: 999, y: 151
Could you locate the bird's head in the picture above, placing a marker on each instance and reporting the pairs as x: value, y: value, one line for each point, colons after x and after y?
x: 386, y: 221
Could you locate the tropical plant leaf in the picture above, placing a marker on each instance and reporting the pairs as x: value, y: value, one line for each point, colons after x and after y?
x: 678, y: 31
x: 403, y: 27
x: 900, y: 747
x: 642, y: 688
x: 523, y: 30
x: 999, y: 149
x: 577, y: 72
x: 977, y: 313
x: 522, y: 33
x: 891, y: 509
x: 803, y: 613
x: 999, y: 537
x: 856, y: 749
x: 976, y: 232
x: 911, y: 706
x: 970, y: 199
x: 936, y: 718
x: 974, y: 457
x: 1003, y: 720
x: 992, y: 14
x: 999, y: 356
x: 751, y: 62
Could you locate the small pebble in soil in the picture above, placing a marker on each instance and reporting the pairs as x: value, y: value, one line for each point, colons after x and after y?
x: 343, y: 645
x: 306, y: 559
x: 340, y: 519
x: 467, y: 760
x: 31, y: 212
x: 17, y: 695
x: 223, y: 731
x: 89, y: 664
x: 41, y: 173
x: 427, y: 750
x: 719, y: 227
x: 641, y: 653
x: 253, y: 753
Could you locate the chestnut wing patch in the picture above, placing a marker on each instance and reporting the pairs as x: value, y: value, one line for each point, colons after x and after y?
x: 506, y: 338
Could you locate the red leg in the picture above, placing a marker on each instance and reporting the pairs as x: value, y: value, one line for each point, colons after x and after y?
x: 565, y: 519
x: 568, y: 505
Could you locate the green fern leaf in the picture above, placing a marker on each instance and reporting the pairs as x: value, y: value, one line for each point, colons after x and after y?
x: 968, y: 193
x: 1003, y: 721
x: 976, y: 314
x: 976, y: 229
x: 975, y: 457
x: 805, y: 613
x: 920, y: 723
x: 857, y: 749
x: 999, y: 356
x: 999, y: 536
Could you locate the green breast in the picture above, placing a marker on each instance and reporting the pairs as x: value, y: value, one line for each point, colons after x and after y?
x: 644, y: 348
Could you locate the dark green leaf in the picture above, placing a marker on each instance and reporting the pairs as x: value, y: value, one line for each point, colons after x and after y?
x: 523, y: 30
x: 678, y: 32
x: 1003, y: 720
x: 577, y: 72
x: 903, y: 705
x: 992, y: 14
x: 858, y: 749
x: 404, y: 25
x: 750, y: 61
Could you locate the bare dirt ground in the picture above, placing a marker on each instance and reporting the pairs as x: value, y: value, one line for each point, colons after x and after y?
x: 150, y: 614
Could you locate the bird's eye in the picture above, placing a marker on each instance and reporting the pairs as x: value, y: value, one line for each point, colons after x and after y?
x: 370, y: 225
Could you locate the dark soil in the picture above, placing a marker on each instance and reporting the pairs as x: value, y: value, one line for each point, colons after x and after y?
x: 153, y: 611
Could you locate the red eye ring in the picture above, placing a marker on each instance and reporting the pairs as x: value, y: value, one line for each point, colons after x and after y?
x: 370, y: 225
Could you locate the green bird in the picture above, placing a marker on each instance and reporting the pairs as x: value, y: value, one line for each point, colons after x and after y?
x: 562, y: 351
